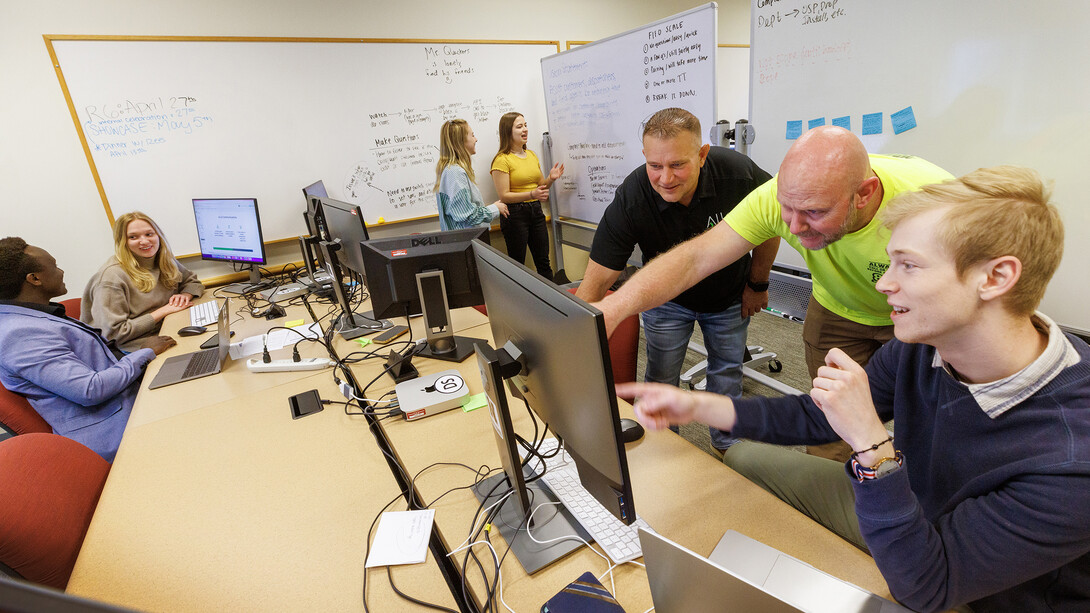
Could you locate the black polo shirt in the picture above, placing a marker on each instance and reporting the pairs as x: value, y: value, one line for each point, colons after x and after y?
x: 639, y: 216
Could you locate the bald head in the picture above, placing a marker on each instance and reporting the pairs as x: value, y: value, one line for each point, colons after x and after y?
x: 826, y: 187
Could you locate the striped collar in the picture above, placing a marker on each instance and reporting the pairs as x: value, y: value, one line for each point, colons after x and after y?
x: 997, y: 397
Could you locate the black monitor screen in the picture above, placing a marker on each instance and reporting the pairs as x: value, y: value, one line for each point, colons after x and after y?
x: 315, y: 189
x: 566, y: 375
x: 343, y: 221
x: 392, y: 265
x: 229, y: 230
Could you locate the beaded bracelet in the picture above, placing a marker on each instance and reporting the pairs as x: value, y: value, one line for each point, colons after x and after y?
x: 855, y: 454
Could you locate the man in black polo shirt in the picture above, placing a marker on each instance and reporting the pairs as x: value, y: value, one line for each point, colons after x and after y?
x: 684, y: 189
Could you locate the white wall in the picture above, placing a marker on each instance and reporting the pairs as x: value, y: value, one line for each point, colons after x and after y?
x: 49, y: 196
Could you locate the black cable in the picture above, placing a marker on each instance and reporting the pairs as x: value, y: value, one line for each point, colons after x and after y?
x: 429, y: 605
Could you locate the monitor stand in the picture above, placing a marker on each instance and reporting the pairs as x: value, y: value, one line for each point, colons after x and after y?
x: 442, y: 344
x: 552, y: 522
x: 252, y: 285
x: 355, y: 325
x: 519, y: 484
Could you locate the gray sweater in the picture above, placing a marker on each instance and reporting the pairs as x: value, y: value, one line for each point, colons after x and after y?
x: 112, y: 303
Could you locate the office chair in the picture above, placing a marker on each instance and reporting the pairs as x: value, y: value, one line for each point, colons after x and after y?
x: 72, y: 307
x: 18, y: 417
x: 623, y: 345
x: 788, y: 297
x: 51, y: 486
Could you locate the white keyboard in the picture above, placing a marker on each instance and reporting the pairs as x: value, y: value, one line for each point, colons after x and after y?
x: 204, y: 314
x: 621, y: 542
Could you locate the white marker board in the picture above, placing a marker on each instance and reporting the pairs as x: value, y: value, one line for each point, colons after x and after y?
x: 984, y: 83
x: 167, y: 120
x: 599, y: 95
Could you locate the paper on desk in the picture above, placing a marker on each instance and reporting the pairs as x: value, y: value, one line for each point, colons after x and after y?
x: 401, y: 538
x: 277, y: 339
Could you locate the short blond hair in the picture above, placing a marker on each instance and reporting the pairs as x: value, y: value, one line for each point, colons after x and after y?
x: 671, y: 122
x: 993, y: 212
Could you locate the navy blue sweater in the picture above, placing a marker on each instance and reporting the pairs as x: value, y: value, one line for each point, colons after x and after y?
x: 995, y: 513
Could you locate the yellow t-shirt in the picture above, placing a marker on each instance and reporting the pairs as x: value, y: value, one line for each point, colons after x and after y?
x: 844, y: 273
x: 525, y: 172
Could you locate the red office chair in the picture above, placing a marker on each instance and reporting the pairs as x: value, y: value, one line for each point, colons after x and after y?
x: 623, y: 345
x: 72, y: 307
x: 18, y: 416
x: 51, y: 486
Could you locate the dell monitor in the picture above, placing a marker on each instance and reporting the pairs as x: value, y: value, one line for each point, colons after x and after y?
x: 315, y: 189
x: 229, y: 230
x: 554, y: 353
x: 428, y: 273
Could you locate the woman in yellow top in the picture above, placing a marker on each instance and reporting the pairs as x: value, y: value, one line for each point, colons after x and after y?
x: 520, y: 184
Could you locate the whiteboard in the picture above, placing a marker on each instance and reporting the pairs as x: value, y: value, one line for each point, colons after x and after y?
x: 168, y: 120
x: 599, y: 95
x: 983, y: 83
x: 732, y: 83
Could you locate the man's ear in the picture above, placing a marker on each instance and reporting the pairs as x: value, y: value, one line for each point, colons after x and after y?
x: 867, y: 190
x: 704, y: 153
x: 33, y: 278
x: 1001, y: 274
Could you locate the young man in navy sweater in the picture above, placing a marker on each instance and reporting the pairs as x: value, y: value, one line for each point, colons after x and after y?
x: 983, y: 495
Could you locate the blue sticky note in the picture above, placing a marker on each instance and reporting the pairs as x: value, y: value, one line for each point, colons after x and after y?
x: 794, y: 129
x: 815, y: 123
x: 902, y: 120
x: 872, y: 123
x: 843, y: 122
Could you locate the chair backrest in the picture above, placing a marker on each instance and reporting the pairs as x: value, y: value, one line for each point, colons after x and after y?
x: 18, y: 416
x: 72, y: 307
x: 51, y: 486
x: 623, y: 345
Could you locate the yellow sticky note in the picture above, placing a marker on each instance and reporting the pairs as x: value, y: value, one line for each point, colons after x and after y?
x: 473, y: 402
x: 294, y: 322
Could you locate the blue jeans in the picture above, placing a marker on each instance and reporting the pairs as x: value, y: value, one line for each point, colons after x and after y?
x: 667, y: 330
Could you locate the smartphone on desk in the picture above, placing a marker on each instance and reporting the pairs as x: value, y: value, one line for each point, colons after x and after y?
x: 388, y: 335
x: 213, y: 341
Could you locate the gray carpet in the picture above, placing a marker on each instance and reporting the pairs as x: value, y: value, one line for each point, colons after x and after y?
x: 780, y: 336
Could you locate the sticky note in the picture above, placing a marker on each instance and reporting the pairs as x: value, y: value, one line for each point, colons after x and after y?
x: 902, y: 120
x: 294, y: 322
x: 843, y: 122
x: 363, y: 341
x: 815, y: 123
x: 872, y: 123
x: 474, y: 402
x: 794, y: 129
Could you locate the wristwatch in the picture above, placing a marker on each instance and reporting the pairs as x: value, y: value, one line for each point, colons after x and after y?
x: 757, y: 287
x: 882, y: 468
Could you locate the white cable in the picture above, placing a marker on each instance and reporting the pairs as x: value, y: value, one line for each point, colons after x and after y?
x: 484, y: 514
x: 496, y: 560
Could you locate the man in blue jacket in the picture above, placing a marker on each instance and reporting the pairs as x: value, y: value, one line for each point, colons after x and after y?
x: 81, y: 385
x: 982, y: 494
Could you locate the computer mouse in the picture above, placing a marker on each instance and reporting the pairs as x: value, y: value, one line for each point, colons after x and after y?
x: 631, y: 430
x: 192, y: 331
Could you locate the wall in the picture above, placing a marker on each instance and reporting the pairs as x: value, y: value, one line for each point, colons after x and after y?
x: 50, y: 198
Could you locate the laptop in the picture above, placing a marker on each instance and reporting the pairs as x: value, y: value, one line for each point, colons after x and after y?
x: 743, y: 574
x: 198, y: 363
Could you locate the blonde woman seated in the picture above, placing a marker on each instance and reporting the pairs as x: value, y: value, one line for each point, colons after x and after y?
x: 456, y: 194
x: 138, y: 286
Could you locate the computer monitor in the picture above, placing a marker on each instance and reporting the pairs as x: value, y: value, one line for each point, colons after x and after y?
x: 229, y: 230
x: 315, y: 189
x: 344, y: 222
x: 350, y: 324
x: 554, y: 352
x: 315, y: 278
x: 427, y: 273
x: 17, y: 596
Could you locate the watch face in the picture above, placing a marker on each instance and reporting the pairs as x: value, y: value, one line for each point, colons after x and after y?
x: 886, y: 466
